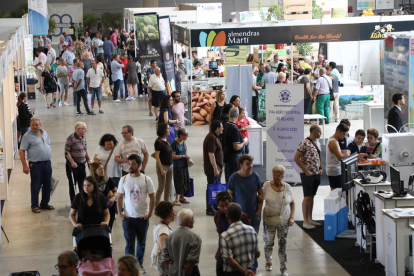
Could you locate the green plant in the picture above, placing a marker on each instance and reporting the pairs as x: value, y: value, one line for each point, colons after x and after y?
x: 317, y: 12
x: 304, y: 49
x: 108, y: 19
x: 91, y: 19
x: 6, y: 14
x: 275, y: 11
x: 267, y: 54
x: 52, y: 26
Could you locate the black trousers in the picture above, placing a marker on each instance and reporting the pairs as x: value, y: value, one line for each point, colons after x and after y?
x: 79, y: 174
x: 82, y: 95
x: 255, y: 107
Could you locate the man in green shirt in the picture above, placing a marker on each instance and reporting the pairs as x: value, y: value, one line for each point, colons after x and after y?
x: 80, y: 30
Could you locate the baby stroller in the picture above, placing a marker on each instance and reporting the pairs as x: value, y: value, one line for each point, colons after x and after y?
x: 94, y: 248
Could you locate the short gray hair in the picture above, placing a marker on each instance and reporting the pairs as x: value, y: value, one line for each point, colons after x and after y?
x: 70, y: 256
x: 234, y: 212
x: 268, y: 68
x: 180, y: 132
x: 323, y: 71
x: 184, y: 216
x: 234, y: 112
x: 308, y: 58
x: 130, y: 128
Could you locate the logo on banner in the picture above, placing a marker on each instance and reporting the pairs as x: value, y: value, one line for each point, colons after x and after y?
x: 62, y: 24
x: 233, y: 38
x: 380, y: 31
x: 285, y: 96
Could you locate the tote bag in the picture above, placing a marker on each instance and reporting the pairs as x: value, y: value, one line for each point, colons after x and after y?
x: 213, y: 190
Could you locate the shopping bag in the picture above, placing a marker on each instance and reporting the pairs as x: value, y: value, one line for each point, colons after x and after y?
x: 314, y: 109
x: 89, y: 96
x: 172, y: 191
x: 171, y: 137
x: 213, y: 190
x: 190, y: 192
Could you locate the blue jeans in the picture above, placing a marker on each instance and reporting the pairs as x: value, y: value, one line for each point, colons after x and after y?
x: 255, y: 222
x: 108, y: 59
x: 231, y: 167
x: 121, y: 89
x: 246, y: 149
x: 96, y: 93
x: 135, y: 227
x: 117, y: 84
x: 41, y: 177
x: 307, y: 106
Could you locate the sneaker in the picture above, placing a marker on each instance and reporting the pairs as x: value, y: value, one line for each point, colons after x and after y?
x: 315, y: 223
x: 60, y: 103
x: 65, y: 104
x: 269, y: 267
x: 79, y: 113
x: 308, y: 226
x: 101, y: 111
x: 129, y: 99
x: 133, y: 98
x: 143, y: 270
x: 285, y: 273
x: 117, y: 101
x: 141, y: 96
x: 91, y: 113
x: 146, y: 95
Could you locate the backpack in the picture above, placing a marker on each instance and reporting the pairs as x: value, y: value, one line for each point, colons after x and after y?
x: 363, y: 209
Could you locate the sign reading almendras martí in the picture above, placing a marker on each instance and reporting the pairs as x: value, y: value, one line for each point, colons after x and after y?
x: 294, y: 34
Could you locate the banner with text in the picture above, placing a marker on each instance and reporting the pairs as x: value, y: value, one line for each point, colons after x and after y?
x: 64, y: 15
x: 148, y: 42
x: 236, y: 55
x: 38, y: 18
x: 396, y: 73
x: 167, y: 53
x: 285, y: 130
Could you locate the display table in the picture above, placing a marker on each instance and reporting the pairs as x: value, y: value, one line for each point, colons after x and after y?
x: 370, y: 189
x: 384, y: 201
x: 397, y: 251
x: 310, y: 117
x: 256, y: 142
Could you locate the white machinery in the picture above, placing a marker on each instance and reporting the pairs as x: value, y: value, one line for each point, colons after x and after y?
x: 398, y: 151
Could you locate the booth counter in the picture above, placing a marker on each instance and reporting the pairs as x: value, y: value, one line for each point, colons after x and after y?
x: 385, y: 201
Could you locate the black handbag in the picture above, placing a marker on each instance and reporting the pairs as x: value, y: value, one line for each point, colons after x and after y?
x: 258, y: 92
x: 331, y: 93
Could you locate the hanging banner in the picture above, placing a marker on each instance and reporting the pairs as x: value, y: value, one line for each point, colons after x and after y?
x: 28, y: 50
x: 63, y: 15
x: 236, y: 55
x: 38, y: 17
x: 167, y: 53
x: 285, y: 128
x: 396, y: 73
x: 149, y: 46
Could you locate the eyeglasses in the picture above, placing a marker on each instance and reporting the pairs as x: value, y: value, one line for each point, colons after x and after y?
x: 62, y: 267
x: 124, y: 133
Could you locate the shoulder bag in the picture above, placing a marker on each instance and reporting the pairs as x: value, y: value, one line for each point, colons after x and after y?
x: 275, y: 218
x: 109, y: 157
x: 330, y: 91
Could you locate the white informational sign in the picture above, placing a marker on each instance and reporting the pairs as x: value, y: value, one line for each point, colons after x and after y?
x: 284, y: 120
x: 38, y: 18
x: 328, y: 5
x: 28, y: 49
x: 390, y: 246
x: 64, y: 14
x: 384, y: 4
x: 365, y: 4
x: 208, y: 12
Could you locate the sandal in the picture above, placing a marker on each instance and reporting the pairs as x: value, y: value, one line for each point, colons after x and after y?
x: 184, y: 201
x: 48, y: 207
x: 36, y: 210
x: 48, y: 106
x: 151, y: 114
x: 53, y: 105
x: 176, y: 203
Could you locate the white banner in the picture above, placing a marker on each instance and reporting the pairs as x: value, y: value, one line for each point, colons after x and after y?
x: 284, y: 120
x: 38, y: 18
x: 63, y: 15
x: 28, y: 50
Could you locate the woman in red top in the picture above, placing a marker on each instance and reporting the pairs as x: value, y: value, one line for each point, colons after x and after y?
x: 243, y: 125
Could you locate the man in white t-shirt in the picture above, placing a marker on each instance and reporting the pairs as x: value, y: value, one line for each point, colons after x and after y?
x: 130, y: 145
x: 135, y: 188
x: 95, y: 79
x: 51, y: 54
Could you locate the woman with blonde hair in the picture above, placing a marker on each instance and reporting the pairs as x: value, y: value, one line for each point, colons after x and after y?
x: 128, y: 266
x: 216, y: 109
x: 106, y: 187
x: 49, y: 84
x: 278, y: 215
x: 281, y: 77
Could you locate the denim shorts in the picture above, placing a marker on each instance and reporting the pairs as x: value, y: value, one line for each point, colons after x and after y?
x: 96, y: 91
x: 310, y: 184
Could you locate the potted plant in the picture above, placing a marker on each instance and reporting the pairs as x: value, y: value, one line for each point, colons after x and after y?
x: 317, y: 12
x: 304, y: 49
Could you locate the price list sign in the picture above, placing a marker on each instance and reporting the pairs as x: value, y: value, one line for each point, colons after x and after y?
x: 285, y: 130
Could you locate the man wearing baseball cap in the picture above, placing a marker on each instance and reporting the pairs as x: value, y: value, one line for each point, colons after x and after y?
x: 68, y: 55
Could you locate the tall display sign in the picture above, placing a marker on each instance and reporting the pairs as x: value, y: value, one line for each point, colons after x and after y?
x: 285, y: 130
x: 396, y: 72
x: 38, y: 17
x: 28, y: 50
x: 167, y: 53
x: 148, y: 41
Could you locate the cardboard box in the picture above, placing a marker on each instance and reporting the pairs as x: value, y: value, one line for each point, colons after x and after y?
x: 343, y: 219
x: 332, y: 204
x: 330, y: 227
x: 31, y: 88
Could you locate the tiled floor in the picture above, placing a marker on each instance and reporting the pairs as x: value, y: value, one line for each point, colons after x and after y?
x: 37, y: 239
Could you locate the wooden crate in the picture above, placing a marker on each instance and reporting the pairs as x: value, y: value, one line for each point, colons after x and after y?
x: 297, y: 9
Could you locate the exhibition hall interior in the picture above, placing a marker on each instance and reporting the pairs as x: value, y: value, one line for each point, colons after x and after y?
x: 194, y: 138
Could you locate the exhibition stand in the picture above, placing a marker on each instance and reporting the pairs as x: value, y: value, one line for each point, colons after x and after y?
x: 12, y: 32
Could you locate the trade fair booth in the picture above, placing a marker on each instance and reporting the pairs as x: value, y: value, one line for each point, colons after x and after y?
x: 12, y: 65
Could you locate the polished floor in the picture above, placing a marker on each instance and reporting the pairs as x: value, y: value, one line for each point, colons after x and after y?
x: 37, y: 239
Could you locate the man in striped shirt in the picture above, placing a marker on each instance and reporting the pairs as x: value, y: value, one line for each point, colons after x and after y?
x: 77, y: 155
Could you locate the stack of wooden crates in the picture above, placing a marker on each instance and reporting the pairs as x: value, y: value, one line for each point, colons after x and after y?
x: 297, y: 9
